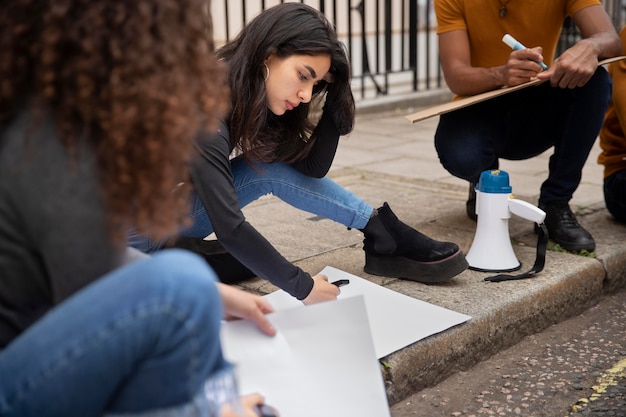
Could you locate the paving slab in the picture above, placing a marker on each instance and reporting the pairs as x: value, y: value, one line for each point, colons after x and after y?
x: 386, y: 158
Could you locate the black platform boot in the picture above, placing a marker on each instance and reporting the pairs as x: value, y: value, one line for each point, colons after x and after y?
x: 394, y: 249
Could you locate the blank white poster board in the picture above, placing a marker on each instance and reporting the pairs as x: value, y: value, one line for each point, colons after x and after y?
x: 320, y: 363
x: 396, y: 320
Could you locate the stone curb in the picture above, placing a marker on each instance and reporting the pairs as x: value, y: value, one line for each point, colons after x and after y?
x: 502, y: 313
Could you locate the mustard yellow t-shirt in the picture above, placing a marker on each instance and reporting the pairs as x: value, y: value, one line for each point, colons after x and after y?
x: 612, y: 137
x: 531, y: 22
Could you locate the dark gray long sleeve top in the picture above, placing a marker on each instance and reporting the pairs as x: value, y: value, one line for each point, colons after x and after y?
x: 212, y: 178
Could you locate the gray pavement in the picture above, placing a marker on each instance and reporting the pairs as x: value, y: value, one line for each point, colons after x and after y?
x: 386, y: 158
x: 574, y: 368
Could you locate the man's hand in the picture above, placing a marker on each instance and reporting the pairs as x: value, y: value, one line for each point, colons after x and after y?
x: 522, y: 66
x: 239, y: 304
x: 575, y: 66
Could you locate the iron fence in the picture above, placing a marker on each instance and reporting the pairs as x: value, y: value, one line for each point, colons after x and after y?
x: 392, y: 44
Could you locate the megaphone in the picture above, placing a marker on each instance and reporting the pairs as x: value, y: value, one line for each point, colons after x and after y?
x: 491, y: 250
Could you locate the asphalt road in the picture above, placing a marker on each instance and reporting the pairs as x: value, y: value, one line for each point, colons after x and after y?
x: 572, y: 369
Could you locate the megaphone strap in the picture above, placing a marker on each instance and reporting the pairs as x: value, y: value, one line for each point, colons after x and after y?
x: 540, y: 260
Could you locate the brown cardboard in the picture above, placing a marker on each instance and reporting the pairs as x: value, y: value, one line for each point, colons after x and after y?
x: 468, y: 101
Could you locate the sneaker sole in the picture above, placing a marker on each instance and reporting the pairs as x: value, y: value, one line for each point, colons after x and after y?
x: 427, y: 272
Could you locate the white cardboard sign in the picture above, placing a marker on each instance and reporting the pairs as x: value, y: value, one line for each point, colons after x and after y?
x: 320, y: 363
x: 396, y: 320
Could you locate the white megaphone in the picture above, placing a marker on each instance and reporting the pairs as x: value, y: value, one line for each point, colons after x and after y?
x: 491, y: 250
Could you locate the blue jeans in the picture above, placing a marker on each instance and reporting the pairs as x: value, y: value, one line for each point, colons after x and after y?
x: 615, y: 194
x: 524, y: 124
x: 320, y: 196
x: 143, y: 337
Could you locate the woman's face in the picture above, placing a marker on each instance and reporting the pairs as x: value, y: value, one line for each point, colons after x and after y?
x: 291, y: 80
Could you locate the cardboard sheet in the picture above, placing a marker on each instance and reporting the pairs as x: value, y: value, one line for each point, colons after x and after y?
x: 396, y: 320
x: 320, y: 363
x: 468, y: 101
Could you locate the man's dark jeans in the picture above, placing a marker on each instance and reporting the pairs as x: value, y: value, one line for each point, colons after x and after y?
x: 523, y: 124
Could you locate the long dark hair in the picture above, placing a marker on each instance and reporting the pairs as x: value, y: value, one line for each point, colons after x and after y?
x: 136, y: 78
x: 285, y: 30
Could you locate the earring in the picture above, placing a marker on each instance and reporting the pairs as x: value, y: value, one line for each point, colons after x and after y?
x: 267, y: 72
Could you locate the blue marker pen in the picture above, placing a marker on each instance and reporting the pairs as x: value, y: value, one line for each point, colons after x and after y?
x: 516, y: 46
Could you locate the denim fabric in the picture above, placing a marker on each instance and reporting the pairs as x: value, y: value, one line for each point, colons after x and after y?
x: 615, y: 195
x: 145, y: 336
x: 196, y: 408
x: 523, y: 124
x: 320, y: 196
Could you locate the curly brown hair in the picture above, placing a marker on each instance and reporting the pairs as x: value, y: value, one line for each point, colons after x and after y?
x: 136, y: 78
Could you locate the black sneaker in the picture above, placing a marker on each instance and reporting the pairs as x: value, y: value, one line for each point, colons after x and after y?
x: 564, y: 229
x: 470, y: 204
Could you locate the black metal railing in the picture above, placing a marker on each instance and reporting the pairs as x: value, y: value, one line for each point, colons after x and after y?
x: 392, y: 43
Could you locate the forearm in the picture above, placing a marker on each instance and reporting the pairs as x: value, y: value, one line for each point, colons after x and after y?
x: 464, y: 78
x: 604, y: 45
x: 469, y: 81
x: 250, y: 248
x: 317, y: 163
x: 598, y: 32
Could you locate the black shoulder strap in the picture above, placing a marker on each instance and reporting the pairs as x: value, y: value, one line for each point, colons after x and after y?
x: 542, y: 244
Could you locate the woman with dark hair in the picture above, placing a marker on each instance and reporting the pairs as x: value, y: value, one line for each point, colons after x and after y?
x: 280, y: 63
x: 99, y: 102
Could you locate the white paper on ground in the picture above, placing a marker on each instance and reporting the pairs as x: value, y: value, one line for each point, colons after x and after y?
x: 396, y: 320
x: 320, y: 363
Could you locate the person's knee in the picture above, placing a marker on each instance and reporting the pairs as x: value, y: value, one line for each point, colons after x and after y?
x: 617, y: 209
x: 132, y: 254
x: 602, y: 78
x: 268, y: 178
x: 463, y: 155
x: 465, y: 168
x: 615, y: 195
x: 462, y: 163
x: 281, y: 179
x: 186, y: 278
x: 600, y: 86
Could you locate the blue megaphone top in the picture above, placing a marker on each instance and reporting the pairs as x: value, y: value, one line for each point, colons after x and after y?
x: 494, y: 181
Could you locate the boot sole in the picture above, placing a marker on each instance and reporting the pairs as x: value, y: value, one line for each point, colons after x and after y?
x: 428, y: 272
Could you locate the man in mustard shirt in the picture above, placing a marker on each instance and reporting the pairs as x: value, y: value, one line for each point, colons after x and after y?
x: 565, y: 113
x: 613, y: 141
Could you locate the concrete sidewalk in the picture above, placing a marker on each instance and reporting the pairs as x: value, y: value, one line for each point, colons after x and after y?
x: 386, y: 158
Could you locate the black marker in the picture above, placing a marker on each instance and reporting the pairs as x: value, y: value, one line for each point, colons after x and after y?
x: 264, y: 410
x: 341, y: 282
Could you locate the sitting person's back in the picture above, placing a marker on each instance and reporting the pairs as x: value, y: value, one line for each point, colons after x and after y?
x: 97, y: 116
x: 51, y: 210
